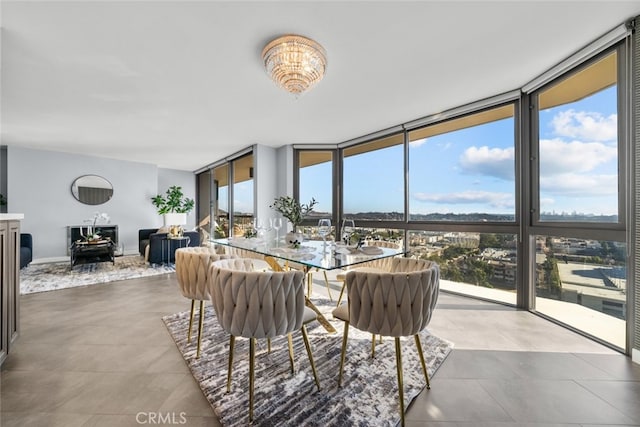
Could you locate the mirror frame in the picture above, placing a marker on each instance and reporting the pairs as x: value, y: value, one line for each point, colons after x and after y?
x: 98, y: 197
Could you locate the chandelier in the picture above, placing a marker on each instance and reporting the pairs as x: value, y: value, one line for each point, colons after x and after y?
x: 294, y: 62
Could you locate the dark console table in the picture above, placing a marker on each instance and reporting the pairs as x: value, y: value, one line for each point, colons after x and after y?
x: 89, y: 252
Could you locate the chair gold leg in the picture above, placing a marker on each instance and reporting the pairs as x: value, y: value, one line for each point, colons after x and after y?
x: 200, y: 328
x: 344, y: 350
x: 308, y: 346
x: 290, y: 340
x: 341, y: 293
x: 193, y: 307
x: 400, y: 382
x: 421, y: 354
x: 268, y: 345
x: 232, y: 342
x: 252, y: 374
x: 373, y: 346
x: 309, y: 283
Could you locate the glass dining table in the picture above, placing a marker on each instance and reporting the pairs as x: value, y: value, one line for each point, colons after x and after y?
x: 312, y: 254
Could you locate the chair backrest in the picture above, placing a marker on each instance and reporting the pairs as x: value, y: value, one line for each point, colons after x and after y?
x: 256, y: 304
x: 409, y: 264
x: 394, y: 304
x: 384, y: 263
x: 192, y: 270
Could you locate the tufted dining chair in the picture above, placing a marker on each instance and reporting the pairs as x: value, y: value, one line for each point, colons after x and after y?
x: 259, y: 304
x: 192, y: 272
x: 383, y: 264
x: 396, y: 304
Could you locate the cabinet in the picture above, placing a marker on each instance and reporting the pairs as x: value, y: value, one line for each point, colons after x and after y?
x: 10, y: 282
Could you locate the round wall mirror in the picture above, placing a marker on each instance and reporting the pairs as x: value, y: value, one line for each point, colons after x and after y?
x: 92, y: 190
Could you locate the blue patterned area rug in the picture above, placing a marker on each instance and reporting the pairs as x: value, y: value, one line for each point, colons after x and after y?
x: 368, y: 396
x: 60, y: 275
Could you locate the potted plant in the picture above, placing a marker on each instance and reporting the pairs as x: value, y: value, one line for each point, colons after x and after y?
x: 174, y: 206
x: 294, y: 212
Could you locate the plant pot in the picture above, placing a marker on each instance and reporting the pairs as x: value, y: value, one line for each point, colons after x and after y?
x: 173, y: 218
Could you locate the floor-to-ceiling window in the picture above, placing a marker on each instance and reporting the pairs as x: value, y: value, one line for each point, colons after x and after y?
x: 373, y: 180
x: 580, y: 265
x: 243, y: 196
x: 461, y: 187
x: 520, y: 198
x: 223, y: 209
x: 315, y: 182
x: 220, y: 208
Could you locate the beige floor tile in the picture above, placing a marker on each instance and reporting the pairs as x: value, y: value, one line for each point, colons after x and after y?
x: 101, y: 355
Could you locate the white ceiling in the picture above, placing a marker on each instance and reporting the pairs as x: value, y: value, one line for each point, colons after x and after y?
x: 180, y: 84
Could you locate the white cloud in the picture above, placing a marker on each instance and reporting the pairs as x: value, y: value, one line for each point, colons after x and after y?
x: 499, y: 200
x: 496, y: 162
x: 442, y: 146
x: 576, y: 185
x: 558, y: 156
x: 589, y: 126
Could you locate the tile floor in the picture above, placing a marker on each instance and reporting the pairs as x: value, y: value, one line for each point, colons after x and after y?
x: 101, y: 356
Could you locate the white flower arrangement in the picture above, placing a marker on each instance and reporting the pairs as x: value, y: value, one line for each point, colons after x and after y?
x: 98, y: 217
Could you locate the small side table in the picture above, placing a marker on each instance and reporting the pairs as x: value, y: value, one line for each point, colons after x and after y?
x: 167, y: 242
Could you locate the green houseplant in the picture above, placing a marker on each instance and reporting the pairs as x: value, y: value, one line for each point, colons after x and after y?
x: 174, y: 206
x: 294, y: 212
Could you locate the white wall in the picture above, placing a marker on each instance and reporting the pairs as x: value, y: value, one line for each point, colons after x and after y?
x: 265, y: 167
x: 39, y: 185
x: 184, y: 179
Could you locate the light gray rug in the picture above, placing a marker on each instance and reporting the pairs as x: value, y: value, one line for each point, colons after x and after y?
x: 52, y: 276
x: 368, y: 396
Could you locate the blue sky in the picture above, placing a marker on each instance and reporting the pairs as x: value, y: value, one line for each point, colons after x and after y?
x: 472, y: 170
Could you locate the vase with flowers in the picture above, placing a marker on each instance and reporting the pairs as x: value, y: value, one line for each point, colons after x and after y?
x: 92, y: 235
x: 294, y: 212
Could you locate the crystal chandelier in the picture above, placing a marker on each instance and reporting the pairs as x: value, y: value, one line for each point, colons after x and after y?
x: 294, y: 62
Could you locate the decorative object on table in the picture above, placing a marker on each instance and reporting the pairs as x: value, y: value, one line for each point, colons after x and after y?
x: 295, y: 63
x: 174, y: 207
x: 370, y: 397
x: 92, y: 234
x: 250, y: 233
x: 294, y: 212
x: 348, y: 227
x: 276, y: 224
x: 324, y: 229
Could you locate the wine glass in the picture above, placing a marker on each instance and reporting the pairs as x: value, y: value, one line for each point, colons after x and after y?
x: 276, y: 224
x: 348, y: 227
x: 324, y: 228
x: 259, y: 226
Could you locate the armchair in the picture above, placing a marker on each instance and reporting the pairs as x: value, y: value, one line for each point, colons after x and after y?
x: 26, y: 249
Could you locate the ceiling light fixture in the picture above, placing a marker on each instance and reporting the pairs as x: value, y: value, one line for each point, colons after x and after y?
x: 294, y: 62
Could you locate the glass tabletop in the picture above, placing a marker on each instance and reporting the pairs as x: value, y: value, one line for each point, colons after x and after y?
x: 312, y: 253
